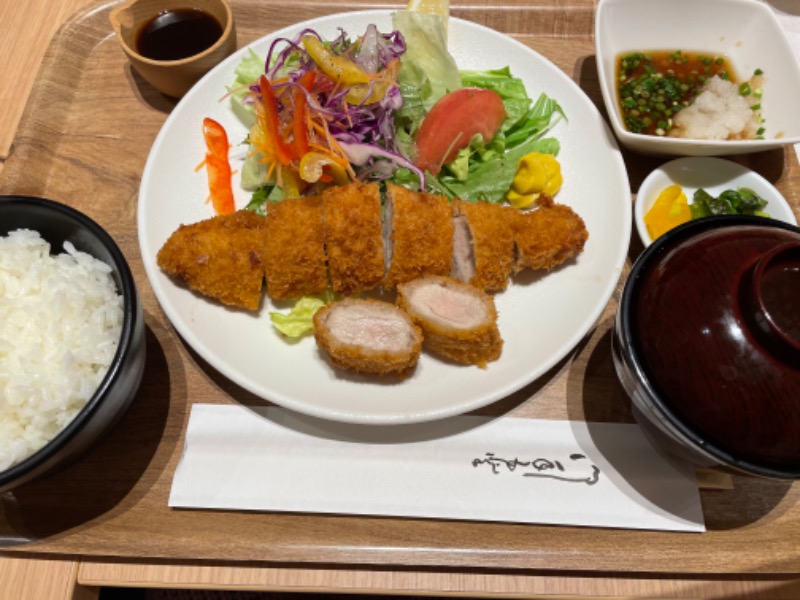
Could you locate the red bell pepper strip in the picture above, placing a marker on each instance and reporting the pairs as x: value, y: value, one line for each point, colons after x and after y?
x: 300, y: 116
x: 218, y: 167
x: 270, y: 122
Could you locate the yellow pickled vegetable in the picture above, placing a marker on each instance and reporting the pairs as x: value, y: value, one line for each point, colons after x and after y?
x: 670, y: 209
x: 537, y: 173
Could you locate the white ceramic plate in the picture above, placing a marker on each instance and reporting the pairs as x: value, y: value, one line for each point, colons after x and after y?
x: 714, y: 175
x: 541, y: 320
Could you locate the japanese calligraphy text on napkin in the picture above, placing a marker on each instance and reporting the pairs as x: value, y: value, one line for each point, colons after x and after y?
x: 470, y: 468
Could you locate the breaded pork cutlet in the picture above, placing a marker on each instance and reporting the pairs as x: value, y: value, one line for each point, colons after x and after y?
x: 354, y: 237
x: 458, y: 320
x: 368, y: 336
x: 294, y: 248
x: 547, y: 236
x: 419, y: 235
x: 220, y: 257
x: 483, y: 247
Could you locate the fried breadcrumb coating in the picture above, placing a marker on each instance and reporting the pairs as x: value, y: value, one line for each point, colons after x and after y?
x: 547, y: 236
x: 486, y: 251
x: 341, y: 241
x: 421, y: 235
x: 220, y: 257
x: 354, y: 237
x: 294, y: 248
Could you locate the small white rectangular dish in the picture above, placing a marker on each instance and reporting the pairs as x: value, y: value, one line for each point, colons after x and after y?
x: 746, y: 32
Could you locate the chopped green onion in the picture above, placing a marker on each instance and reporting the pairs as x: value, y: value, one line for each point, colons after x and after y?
x: 653, y: 87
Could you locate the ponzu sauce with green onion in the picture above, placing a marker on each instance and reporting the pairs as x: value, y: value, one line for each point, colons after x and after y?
x: 655, y: 85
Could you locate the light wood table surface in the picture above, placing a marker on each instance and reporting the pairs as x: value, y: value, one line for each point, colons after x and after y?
x: 26, y: 30
x: 27, y: 27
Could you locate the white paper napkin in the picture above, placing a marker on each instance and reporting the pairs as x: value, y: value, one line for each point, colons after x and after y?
x: 467, y: 468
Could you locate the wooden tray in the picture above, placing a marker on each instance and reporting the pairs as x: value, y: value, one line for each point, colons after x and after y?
x: 84, y: 139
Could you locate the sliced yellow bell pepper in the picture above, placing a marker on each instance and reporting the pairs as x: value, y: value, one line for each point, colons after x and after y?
x: 363, y: 86
x: 339, y: 68
x: 315, y: 166
x: 289, y: 182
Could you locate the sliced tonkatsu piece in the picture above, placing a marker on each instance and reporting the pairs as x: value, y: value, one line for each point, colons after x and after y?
x: 294, y: 248
x: 547, y: 236
x: 368, y: 336
x: 483, y: 247
x: 419, y: 230
x: 354, y: 237
x: 458, y: 320
x: 220, y: 257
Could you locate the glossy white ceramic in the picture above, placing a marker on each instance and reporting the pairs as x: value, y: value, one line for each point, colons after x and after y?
x: 745, y: 31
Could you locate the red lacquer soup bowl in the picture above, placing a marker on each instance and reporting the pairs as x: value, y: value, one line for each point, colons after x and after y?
x: 707, y: 343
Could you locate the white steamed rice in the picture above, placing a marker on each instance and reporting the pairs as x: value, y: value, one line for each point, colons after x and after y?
x: 60, y: 323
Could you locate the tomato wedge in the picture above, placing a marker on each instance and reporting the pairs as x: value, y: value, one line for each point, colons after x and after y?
x: 453, y: 121
x: 218, y: 167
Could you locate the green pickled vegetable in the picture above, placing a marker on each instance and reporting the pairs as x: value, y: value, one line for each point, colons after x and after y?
x: 750, y: 202
x: 739, y: 201
x: 721, y: 205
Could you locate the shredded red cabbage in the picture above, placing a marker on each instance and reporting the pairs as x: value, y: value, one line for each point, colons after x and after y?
x: 366, y: 131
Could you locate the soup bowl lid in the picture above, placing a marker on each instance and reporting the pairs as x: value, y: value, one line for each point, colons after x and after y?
x: 710, y: 319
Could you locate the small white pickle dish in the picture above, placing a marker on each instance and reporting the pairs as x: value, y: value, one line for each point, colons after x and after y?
x: 714, y: 175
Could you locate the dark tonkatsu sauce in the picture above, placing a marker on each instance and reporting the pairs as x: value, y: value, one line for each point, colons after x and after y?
x: 177, y: 34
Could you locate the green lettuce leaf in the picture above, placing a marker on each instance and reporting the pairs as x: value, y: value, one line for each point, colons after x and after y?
x: 427, y: 64
x: 510, y: 89
x: 254, y: 171
x: 485, y: 172
x: 490, y: 180
x: 249, y: 69
x: 299, y: 320
x: 542, y: 117
x: 427, y: 72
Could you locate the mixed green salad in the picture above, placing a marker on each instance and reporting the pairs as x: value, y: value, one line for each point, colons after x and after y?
x: 328, y: 112
x: 381, y: 107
